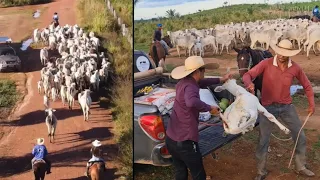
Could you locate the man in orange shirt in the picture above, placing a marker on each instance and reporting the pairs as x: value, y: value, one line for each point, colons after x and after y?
x: 278, y: 73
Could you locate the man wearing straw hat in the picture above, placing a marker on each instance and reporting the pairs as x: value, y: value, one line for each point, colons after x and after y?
x: 97, y: 155
x: 278, y: 73
x: 40, y: 152
x: 182, y: 132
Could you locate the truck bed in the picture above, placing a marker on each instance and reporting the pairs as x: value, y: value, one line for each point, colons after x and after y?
x: 211, y: 138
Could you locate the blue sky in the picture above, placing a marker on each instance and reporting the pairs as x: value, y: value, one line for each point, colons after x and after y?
x: 147, y: 9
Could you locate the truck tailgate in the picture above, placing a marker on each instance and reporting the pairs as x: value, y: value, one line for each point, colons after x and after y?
x: 211, y: 138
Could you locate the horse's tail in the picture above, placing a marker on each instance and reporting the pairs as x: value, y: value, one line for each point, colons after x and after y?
x: 155, y: 55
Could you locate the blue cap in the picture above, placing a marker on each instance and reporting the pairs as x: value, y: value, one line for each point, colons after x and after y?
x: 159, y: 25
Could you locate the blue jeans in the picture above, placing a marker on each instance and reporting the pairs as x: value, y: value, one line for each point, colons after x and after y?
x: 165, y: 46
x: 46, y: 160
x: 288, y: 114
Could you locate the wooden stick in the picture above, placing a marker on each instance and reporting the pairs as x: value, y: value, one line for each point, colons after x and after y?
x: 307, y: 118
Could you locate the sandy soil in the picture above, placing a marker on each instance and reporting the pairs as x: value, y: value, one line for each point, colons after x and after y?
x: 70, y: 151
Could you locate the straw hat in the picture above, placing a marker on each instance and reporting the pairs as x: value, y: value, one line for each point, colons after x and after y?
x: 191, y: 64
x: 284, y: 48
x: 40, y: 141
x: 96, y: 143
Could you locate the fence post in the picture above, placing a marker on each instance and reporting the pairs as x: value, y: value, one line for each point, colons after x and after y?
x: 108, y: 4
x: 125, y: 31
x: 123, y: 28
x: 119, y: 21
x: 114, y: 14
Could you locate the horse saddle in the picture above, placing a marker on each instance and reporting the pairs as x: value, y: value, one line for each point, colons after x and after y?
x: 266, y: 54
x: 39, y: 161
x: 99, y: 163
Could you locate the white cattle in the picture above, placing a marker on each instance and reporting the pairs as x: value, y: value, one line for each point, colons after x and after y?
x: 51, y: 122
x: 54, y: 94
x: 46, y: 86
x: 241, y: 115
x: 85, y: 103
x: 225, y: 41
x: 71, y: 92
x: 186, y: 42
x: 63, y: 94
x: 198, y: 46
x: 40, y: 84
x: 314, y: 38
x: 264, y: 36
x: 36, y: 35
x: 209, y: 41
x: 94, y: 80
x: 46, y: 102
x: 44, y: 56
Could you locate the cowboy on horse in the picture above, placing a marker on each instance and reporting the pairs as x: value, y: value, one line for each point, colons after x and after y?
x: 96, y: 156
x: 316, y: 14
x: 157, y: 37
x: 55, y: 19
x: 40, y: 152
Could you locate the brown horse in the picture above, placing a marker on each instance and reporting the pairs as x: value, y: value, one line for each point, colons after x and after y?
x: 39, y: 170
x: 157, y: 51
x: 96, y: 171
x: 315, y: 19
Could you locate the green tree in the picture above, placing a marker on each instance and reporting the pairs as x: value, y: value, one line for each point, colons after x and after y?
x: 135, y: 2
x: 171, y: 13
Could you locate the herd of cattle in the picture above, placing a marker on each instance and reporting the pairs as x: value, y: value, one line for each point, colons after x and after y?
x: 80, y: 69
x: 300, y: 31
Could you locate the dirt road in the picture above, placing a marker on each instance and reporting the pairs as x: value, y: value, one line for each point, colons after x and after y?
x: 71, y: 149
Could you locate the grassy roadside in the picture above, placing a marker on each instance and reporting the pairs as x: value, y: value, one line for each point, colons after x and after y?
x: 10, y: 3
x: 94, y: 16
x: 124, y: 10
x: 9, y: 97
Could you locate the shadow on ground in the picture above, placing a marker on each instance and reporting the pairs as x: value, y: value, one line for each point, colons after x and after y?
x: 100, y: 133
x: 39, y: 116
x: 65, y: 158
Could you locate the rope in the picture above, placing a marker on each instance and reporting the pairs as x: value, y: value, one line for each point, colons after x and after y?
x: 280, y: 138
x: 307, y: 118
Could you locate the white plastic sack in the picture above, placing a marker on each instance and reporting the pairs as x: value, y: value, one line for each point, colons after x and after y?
x: 207, y: 97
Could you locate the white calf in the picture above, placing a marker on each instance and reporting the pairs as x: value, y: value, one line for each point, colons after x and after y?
x: 44, y: 56
x: 94, y: 80
x: 46, y: 102
x: 54, y: 94
x: 63, y: 94
x: 241, y: 115
x: 71, y: 92
x: 85, y: 103
x: 40, y: 84
x: 51, y: 122
x: 36, y: 35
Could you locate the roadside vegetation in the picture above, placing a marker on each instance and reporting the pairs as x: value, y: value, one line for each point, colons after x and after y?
x: 9, y: 94
x: 124, y: 10
x: 94, y: 16
x: 143, y: 29
x: 8, y: 98
x: 9, y: 3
